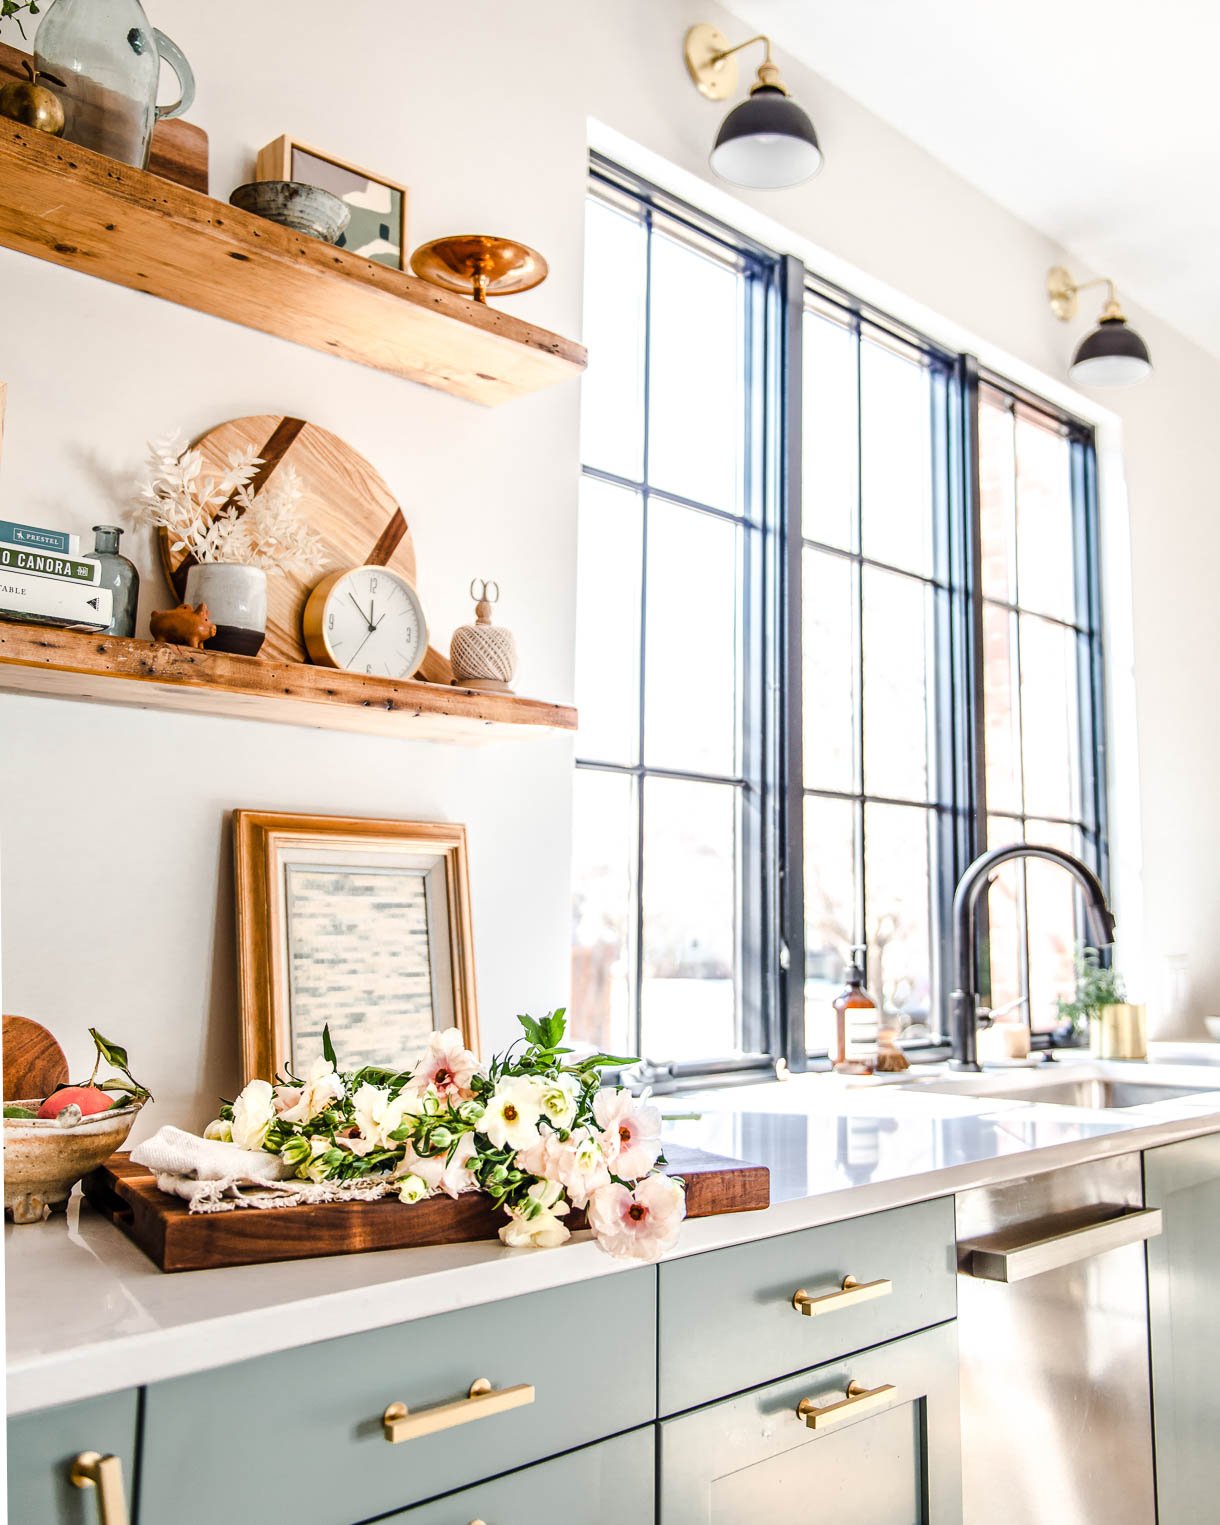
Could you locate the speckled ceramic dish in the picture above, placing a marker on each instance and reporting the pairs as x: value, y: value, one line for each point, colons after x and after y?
x: 43, y: 1159
x: 304, y: 208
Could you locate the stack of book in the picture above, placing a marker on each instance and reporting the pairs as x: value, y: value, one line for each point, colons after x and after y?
x: 45, y: 580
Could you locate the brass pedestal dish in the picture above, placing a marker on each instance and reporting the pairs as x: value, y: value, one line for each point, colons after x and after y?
x: 479, y: 266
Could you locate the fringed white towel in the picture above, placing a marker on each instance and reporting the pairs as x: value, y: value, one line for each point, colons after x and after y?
x: 213, y: 1177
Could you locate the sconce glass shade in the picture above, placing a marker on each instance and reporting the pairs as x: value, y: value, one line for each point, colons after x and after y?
x: 1113, y: 355
x: 766, y: 143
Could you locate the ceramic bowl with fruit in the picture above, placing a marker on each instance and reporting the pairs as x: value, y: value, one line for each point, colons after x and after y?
x: 51, y: 1142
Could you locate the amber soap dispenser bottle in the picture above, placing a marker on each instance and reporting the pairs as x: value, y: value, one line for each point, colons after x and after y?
x: 857, y: 1021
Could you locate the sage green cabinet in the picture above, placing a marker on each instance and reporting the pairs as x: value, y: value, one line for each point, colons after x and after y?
x: 587, y: 1350
x: 613, y: 1481
x: 1184, y: 1181
x: 896, y: 1461
x: 42, y: 1447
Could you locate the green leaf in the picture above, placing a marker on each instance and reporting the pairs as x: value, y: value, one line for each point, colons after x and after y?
x: 110, y: 1052
x: 328, y: 1048
x: 18, y: 1112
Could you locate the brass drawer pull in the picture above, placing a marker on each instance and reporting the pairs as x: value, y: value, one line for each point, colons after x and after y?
x: 481, y: 1403
x: 850, y: 1293
x: 105, y: 1473
x: 858, y: 1399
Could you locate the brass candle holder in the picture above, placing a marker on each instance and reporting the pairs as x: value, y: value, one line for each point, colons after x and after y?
x: 479, y: 265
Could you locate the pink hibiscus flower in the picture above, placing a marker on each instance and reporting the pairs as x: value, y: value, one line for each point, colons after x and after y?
x: 641, y: 1224
x: 631, y: 1132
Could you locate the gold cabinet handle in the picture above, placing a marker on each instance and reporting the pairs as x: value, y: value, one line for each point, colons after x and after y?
x: 481, y: 1402
x: 857, y: 1400
x: 850, y: 1293
x: 105, y: 1473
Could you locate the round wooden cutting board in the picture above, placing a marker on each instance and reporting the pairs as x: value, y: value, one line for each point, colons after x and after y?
x: 346, y: 502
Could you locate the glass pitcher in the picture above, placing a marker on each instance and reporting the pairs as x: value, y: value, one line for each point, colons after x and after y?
x: 109, y: 58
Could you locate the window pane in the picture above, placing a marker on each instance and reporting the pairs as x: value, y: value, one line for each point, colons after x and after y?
x: 1052, y: 903
x: 1049, y: 718
x: 831, y: 728
x: 830, y: 911
x: 1005, y: 912
x: 896, y: 458
x: 696, y: 396
x: 896, y: 637
x: 692, y: 676
x: 603, y: 919
x: 608, y: 623
x: 1045, y: 576
x: 898, y: 890
x: 1001, y: 717
x: 612, y: 407
x: 997, y: 482
x: 829, y: 434
x: 690, y: 923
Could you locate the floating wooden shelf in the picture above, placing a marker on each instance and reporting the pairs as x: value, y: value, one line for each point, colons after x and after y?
x: 76, y: 208
x: 66, y: 664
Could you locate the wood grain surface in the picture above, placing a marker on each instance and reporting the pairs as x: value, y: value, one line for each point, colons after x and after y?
x: 34, y: 1063
x: 179, y: 148
x: 83, y: 211
x: 67, y: 664
x: 347, y: 503
x: 176, y: 1239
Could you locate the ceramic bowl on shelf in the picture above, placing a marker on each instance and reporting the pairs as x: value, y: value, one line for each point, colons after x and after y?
x: 1213, y: 1027
x: 303, y: 208
x: 44, y: 1158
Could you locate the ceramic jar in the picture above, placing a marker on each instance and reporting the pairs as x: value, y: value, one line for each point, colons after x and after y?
x: 236, y: 597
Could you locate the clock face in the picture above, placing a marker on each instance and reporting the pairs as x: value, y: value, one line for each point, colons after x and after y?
x: 373, y: 622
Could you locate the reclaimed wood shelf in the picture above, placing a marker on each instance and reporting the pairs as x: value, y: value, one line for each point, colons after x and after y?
x: 79, y: 209
x: 106, y: 669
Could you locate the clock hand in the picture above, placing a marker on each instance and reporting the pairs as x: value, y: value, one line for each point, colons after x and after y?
x: 361, y: 613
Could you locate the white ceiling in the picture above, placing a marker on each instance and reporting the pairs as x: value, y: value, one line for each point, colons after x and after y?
x: 1097, y: 121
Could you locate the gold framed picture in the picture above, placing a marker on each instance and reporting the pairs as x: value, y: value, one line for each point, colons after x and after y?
x: 362, y: 925
x: 378, y: 225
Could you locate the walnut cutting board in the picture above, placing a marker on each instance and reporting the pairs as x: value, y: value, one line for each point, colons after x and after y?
x: 347, y: 503
x: 176, y: 1239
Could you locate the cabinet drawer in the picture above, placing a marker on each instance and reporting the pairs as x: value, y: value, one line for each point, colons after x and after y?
x: 42, y: 1447
x: 589, y: 1352
x: 727, y: 1319
x: 894, y: 1460
x: 611, y: 1481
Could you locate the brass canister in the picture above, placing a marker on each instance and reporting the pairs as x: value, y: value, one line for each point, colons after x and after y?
x: 1119, y: 1032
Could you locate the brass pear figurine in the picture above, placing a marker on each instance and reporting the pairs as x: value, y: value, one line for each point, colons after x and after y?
x: 32, y: 104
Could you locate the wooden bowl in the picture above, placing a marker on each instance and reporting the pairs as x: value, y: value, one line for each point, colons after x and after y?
x: 43, y: 1160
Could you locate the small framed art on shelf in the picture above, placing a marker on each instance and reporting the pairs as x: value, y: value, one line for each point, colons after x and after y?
x: 377, y: 228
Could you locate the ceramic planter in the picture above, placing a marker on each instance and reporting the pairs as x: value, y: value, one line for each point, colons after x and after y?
x: 237, y: 603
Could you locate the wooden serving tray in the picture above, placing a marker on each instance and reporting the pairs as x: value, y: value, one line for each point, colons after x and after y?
x: 176, y: 1239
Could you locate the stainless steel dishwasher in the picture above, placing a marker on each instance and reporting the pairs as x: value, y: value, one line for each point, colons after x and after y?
x: 1053, y: 1324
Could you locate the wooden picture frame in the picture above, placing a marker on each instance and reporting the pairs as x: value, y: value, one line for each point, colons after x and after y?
x: 287, y: 159
x: 329, y: 918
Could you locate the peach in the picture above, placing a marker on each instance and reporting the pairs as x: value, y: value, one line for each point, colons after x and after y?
x: 88, y: 1098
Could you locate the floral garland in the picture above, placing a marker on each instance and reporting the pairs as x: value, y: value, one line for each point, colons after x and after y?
x: 532, y: 1130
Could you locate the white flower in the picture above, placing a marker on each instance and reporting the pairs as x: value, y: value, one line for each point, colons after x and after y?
x: 638, y: 1225
x: 220, y: 1131
x: 412, y: 1189
x: 253, y: 1112
x: 447, y: 1066
x: 439, y: 1172
x: 558, y: 1101
x: 631, y: 1133
x: 321, y: 1088
x: 536, y: 1224
x: 582, y: 1166
x: 511, y: 1119
x: 370, y: 1105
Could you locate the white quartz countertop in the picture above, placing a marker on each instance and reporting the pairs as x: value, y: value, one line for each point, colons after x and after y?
x: 88, y: 1313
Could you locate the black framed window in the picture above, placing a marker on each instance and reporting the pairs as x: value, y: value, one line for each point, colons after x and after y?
x: 673, y: 858
x: 838, y: 629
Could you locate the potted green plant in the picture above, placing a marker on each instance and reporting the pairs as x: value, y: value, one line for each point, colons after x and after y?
x: 1100, y: 1010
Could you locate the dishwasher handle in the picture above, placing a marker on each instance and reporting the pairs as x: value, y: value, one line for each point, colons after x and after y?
x: 1050, y: 1254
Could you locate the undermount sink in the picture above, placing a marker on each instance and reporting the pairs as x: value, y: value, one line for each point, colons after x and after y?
x: 1099, y: 1087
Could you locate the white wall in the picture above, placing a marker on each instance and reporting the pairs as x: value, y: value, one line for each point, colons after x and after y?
x: 116, y: 902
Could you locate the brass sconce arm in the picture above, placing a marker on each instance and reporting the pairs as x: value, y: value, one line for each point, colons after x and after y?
x: 1064, y: 294
x: 707, y: 61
